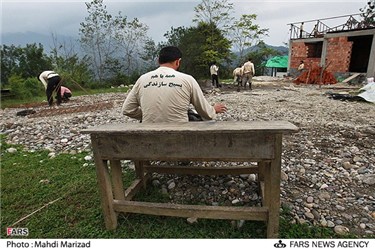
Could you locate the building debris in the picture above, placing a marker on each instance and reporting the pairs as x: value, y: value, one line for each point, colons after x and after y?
x: 316, y: 75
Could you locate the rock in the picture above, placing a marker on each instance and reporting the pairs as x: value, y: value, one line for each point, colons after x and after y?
x: 347, y: 165
x: 171, y: 185
x: 369, y: 179
x: 46, y: 181
x: 330, y: 224
x: 156, y: 183
x: 64, y: 140
x: 357, y: 158
x: 235, y: 201
x: 11, y: 150
x: 252, y: 178
x: 310, y: 199
x: 284, y: 176
x: 52, y: 155
x: 87, y: 158
x: 324, y: 196
x: 341, y: 230
x: 309, y: 215
x: 192, y: 220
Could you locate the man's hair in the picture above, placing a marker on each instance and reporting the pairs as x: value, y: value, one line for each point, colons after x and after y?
x: 169, y: 54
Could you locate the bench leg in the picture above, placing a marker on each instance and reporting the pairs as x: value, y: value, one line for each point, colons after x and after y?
x: 105, y: 186
x: 261, y: 169
x: 272, y: 173
x: 140, y: 171
x: 118, y: 185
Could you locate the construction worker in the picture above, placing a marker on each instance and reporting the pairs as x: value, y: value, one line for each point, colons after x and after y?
x: 214, y: 75
x: 248, y: 73
x: 51, y: 82
x: 65, y: 94
x: 301, y: 67
x: 237, y: 74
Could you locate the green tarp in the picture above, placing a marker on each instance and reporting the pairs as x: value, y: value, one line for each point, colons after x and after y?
x: 277, y: 62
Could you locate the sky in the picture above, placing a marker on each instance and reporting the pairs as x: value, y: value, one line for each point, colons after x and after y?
x: 58, y: 17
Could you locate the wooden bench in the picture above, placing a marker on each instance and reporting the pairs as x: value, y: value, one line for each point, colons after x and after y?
x: 259, y: 142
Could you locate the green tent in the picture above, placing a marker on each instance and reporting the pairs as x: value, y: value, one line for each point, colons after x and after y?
x: 277, y: 62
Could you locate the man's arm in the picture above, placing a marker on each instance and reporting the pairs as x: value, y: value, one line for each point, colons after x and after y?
x: 206, y: 110
x: 131, y: 106
x: 44, y: 82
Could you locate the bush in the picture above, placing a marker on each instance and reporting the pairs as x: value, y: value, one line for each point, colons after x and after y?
x: 34, y: 87
x: 23, y: 89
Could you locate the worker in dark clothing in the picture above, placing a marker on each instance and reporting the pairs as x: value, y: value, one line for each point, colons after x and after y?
x: 51, y: 82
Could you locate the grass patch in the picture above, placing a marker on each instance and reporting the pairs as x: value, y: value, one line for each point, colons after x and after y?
x: 30, y: 180
x: 10, y: 102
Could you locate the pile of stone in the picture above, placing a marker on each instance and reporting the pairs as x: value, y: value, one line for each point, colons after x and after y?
x: 328, y: 167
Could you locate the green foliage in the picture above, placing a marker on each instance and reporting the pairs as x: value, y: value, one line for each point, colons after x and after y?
x: 22, y: 89
x: 200, y: 46
x: 26, y: 62
x: 244, y: 33
x: 215, y: 12
x: 112, y: 43
x: 260, y: 56
x: 368, y: 14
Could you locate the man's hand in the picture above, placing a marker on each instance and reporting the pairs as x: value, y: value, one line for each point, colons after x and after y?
x: 220, y: 108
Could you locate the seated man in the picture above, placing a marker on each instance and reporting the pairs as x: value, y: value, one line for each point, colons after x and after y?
x: 165, y: 94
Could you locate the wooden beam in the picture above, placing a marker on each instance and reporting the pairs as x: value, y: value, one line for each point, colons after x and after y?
x: 197, y: 211
x: 351, y: 77
x: 196, y: 170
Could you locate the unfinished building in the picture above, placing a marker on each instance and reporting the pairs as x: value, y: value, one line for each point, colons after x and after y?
x: 344, y: 50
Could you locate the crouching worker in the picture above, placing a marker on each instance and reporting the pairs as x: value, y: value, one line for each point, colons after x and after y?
x: 65, y: 94
x: 164, y: 94
x: 237, y: 76
x: 51, y: 82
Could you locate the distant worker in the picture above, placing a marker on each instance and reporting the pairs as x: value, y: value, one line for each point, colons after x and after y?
x: 65, y: 94
x: 301, y: 67
x: 51, y: 82
x: 214, y: 75
x: 301, y: 31
x: 237, y: 74
x: 248, y: 72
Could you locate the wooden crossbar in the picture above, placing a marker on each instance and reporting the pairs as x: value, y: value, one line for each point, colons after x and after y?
x: 197, y: 211
x: 194, y: 170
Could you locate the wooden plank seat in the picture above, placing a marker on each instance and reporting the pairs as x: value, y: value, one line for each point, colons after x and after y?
x: 257, y: 141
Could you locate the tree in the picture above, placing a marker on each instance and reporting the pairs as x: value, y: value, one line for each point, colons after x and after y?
x: 130, y: 37
x: 114, y: 44
x: 97, y: 37
x: 150, y: 53
x: 9, y: 62
x: 216, y: 12
x: 368, y: 14
x: 245, y: 33
x: 73, y: 69
x: 196, y: 44
x: 25, y: 62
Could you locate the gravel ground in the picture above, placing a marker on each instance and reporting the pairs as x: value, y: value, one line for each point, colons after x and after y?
x: 328, y: 167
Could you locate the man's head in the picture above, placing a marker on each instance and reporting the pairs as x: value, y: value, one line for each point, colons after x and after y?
x: 169, y: 54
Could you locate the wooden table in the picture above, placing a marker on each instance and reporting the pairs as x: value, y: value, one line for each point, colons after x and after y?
x: 259, y: 141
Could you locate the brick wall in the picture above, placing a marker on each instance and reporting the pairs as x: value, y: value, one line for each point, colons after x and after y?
x: 337, y: 55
